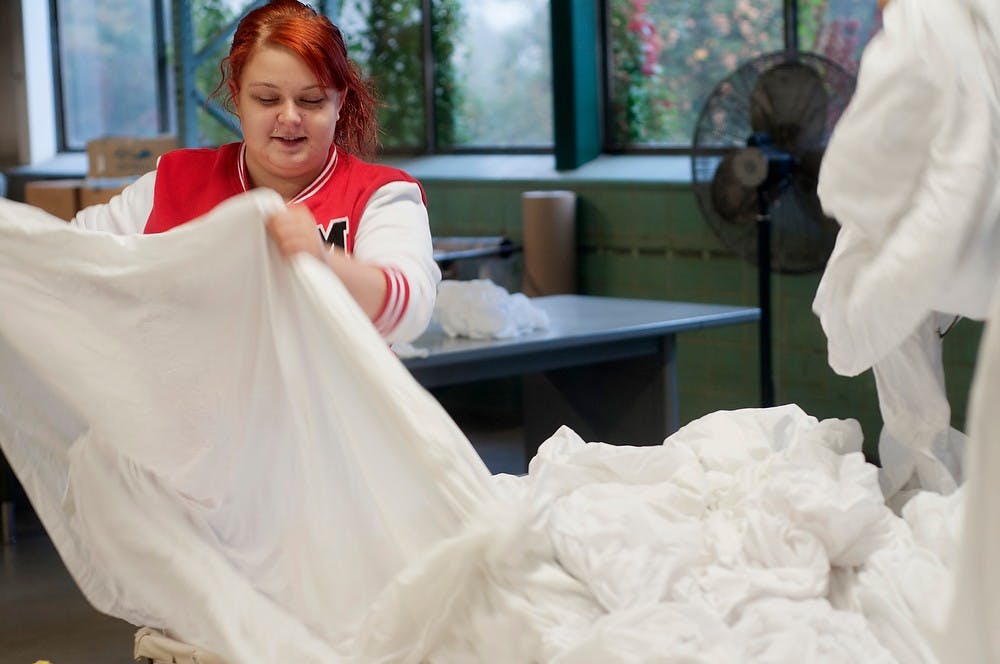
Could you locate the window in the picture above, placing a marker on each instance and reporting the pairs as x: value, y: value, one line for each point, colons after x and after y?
x: 666, y: 56
x: 489, y: 85
x: 453, y: 75
x: 210, y: 31
x: 111, y: 71
x: 502, y: 75
x: 838, y: 29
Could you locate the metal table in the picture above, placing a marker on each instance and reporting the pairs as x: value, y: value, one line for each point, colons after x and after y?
x: 605, y: 366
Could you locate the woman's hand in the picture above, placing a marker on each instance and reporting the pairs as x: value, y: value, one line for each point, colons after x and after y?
x: 293, y: 230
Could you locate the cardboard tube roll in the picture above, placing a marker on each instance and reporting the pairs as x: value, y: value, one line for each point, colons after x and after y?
x: 549, y: 219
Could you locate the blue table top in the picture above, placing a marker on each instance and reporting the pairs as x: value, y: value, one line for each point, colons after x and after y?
x: 581, y: 320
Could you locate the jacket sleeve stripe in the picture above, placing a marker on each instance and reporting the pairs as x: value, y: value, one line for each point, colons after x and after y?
x: 397, y: 298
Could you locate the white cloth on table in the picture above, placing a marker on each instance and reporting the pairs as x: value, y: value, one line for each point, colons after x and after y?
x: 911, y: 175
x: 481, y: 309
x: 221, y: 445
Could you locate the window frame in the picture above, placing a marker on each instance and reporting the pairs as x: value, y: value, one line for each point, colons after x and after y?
x: 581, y: 82
x: 165, y: 109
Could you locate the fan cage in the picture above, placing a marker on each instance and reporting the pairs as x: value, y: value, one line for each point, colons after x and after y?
x: 802, y: 237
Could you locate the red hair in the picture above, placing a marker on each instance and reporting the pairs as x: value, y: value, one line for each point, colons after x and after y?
x: 320, y: 44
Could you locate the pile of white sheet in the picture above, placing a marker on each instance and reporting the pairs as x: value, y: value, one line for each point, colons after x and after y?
x: 220, y: 444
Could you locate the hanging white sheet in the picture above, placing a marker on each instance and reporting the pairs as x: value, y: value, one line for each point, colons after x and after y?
x: 215, y: 438
x: 911, y: 175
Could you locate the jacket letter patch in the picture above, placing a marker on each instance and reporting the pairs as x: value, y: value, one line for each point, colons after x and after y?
x: 334, y: 231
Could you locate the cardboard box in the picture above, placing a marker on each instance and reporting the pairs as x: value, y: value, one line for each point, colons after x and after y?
x: 123, y: 156
x: 64, y: 198
x: 114, y: 163
x: 58, y: 197
x: 96, y: 194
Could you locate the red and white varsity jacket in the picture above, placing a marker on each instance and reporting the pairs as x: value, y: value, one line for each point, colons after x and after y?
x: 376, y: 213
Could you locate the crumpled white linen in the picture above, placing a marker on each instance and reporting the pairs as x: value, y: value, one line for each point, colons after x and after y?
x: 481, y: 309
x: 910, y: 174
x: 220, y: 444
x: 745, y: 537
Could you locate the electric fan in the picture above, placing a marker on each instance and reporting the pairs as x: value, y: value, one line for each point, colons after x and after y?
x: 757, y: 147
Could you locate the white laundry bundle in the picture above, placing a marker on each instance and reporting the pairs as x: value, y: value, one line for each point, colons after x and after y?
x: 220, y: 444
x: 481, y: 309
x: 911, y: 175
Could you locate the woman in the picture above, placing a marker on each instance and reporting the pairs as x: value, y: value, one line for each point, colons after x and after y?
x: 306, y: 118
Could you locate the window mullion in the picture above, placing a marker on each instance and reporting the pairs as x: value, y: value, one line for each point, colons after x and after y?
x: 430, y: 139
x: 576, y: 82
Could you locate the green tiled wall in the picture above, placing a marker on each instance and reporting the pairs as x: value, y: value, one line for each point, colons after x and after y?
x: 649, y: 240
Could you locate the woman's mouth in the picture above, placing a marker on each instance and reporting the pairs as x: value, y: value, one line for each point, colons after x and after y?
x: 289, y: 140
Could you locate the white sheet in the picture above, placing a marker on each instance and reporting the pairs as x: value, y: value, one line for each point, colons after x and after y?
x: 203, y: 457
x: 970, y: 635
x: 911, y: 175
x: 220, y: 444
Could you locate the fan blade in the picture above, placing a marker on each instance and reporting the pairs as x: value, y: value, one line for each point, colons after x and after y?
x: 735, y: 202
x: 789, y: 104
x: 802, y: 236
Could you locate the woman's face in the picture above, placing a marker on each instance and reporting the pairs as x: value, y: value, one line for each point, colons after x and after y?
x: 288, y: 120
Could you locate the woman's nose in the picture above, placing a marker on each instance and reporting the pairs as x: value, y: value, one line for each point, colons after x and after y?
x: 289, y: 113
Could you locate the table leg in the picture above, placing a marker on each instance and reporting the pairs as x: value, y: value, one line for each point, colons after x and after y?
x: 8, y: 530
x: 631, y: 401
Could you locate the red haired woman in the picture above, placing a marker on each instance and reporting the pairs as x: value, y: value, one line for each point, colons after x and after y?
x: 307, y: 120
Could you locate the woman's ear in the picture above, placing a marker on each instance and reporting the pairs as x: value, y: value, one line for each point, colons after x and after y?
x: 340, y: 95
x: 234, y: 96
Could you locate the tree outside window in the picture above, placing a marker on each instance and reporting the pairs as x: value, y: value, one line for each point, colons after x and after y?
x: 490, y: 84
x: 491, y: 72
x: 668, y: 55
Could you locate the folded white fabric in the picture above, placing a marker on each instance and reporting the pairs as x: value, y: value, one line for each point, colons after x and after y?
x: 480, y: 309
x: 910, y: 174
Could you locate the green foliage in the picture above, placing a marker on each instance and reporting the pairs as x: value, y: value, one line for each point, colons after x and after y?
x: 668, y: 55
x: 388, y: 44
x: 210, y: 18
x: 390, y: 50
x: 811, y: 13
x: 504, y: 69
x: 446, y: 20
x: 641, y: 105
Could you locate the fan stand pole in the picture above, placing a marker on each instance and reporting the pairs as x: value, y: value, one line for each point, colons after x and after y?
x: 764, y: 298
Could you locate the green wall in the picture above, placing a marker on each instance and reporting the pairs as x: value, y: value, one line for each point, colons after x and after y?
x: 648, y: 240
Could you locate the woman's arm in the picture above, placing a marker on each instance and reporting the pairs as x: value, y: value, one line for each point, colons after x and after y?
x: 394, y: 234
x: 391, y: 274
x: 125, y: 214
